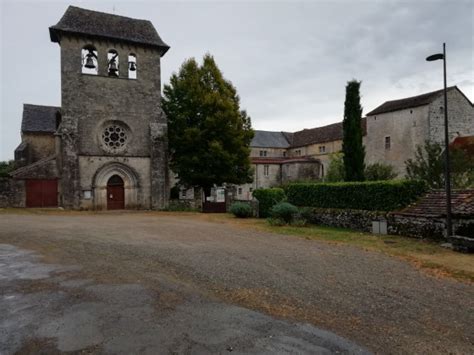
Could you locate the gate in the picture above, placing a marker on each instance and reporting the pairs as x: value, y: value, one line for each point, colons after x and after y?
x: 41, y: 193
x: 215, y: 203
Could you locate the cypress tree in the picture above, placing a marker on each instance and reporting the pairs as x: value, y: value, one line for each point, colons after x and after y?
x: 352, y: 147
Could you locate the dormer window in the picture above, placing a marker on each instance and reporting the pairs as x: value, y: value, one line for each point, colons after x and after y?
x: 89, y: 60
x: 132, y: 66
x: 113, y: 63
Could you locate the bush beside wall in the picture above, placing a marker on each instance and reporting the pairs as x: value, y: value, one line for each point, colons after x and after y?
x: 267, y: 198
x: 371, y: 195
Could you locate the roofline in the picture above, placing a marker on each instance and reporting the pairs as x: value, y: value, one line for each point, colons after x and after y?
x: 55, y: 36
x: 411, y: 97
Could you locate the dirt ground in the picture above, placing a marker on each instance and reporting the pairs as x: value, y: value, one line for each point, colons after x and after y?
x: 181, y: 283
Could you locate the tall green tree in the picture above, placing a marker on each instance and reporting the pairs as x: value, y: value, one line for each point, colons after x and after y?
x: 209, y: 134
x: 352, y: 147
x: 335, y: 171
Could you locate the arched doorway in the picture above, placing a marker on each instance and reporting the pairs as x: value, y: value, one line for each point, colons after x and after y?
x: 115, y: 193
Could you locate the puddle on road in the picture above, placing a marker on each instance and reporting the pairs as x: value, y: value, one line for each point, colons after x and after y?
x: 77, y: 314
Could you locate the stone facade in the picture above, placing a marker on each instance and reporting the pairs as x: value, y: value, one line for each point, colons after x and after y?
x: 108, y: 125
x: 407, y: 127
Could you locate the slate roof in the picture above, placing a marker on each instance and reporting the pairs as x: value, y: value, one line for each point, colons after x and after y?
x: 329, y: 133
x: 100, y: 24
x: 282, y: 160
x: 434, y: 204
x: 267, y: 139
x: 39, y: 118
x: 408, y: 102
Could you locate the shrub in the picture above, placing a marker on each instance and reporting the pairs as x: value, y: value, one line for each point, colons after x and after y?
x: 379, y: 171
x: 284, y: 211
x: 241, y: 210
x: 372, y: 195
x: 267, y: 198
x: 335, y: 171
x: 276, y: 222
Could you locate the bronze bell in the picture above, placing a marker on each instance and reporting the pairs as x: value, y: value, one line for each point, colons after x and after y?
x: 113, y: 68
x: 133, y: 66
x: 89, y: 62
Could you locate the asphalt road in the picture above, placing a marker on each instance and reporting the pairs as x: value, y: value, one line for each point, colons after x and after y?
x: 158, y: 283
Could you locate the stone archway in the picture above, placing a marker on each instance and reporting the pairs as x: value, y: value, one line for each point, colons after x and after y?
x: 130, y: 185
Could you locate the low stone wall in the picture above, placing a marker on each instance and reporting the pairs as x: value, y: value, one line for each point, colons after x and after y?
x: 12, y: 193
x: 359, y: 220
x: 409, y: 226
x: 417, y: 227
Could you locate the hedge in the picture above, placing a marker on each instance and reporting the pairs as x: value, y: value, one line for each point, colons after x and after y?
x: 370, y: 195
x: 267, y: 198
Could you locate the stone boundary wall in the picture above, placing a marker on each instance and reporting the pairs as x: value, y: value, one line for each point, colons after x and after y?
x: 359, y: 220
x: 12, y: 193
x: 409, y: 226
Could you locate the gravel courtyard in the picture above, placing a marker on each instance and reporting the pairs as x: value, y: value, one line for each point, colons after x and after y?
x: 182, y: 283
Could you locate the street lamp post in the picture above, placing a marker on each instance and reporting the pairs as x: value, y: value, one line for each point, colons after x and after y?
x: 447, y: 173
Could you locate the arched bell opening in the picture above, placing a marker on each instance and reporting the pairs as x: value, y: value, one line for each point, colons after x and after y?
x: 113, y: 63
x: 89, y: 60
x: 132, y: 66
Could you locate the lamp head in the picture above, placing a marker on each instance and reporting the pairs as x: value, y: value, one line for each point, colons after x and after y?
x: 434, y: 57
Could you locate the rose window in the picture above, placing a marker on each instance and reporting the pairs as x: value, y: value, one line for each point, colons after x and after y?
x: 114, y: 137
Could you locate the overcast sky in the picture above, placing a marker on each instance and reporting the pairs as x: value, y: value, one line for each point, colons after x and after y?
x: 289, y: 60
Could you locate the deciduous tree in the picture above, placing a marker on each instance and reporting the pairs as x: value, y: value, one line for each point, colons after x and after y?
x: 209, y: 134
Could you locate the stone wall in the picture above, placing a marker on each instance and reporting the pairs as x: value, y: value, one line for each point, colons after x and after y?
x: 39, y: 146
x: 406, y: 128
x: 12, y: 193
x: 408, y: 226
x: 359, y: 220
x: 460, y: 117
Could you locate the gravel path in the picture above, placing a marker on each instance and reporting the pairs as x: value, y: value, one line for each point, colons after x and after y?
x: 379, y: 302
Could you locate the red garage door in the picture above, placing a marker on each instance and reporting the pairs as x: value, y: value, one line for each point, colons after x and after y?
x: 41, y: 193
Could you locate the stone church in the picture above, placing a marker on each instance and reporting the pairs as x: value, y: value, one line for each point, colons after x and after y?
x: 106, y: 146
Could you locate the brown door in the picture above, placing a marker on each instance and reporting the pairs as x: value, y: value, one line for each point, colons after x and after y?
x: 41, y: 193
x: 115, y: 193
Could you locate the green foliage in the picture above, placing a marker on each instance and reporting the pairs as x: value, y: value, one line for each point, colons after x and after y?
x: 352, y: 147
x: 209, y: 135
x: 429, y: 162
x: 6, y: 167
x: 373, y: 195
x: 335, y: 171
x: 379, y: 171
x: 267, y: 198
x: 284, y: 211
x: 241, y: 210
x: 180, y: 206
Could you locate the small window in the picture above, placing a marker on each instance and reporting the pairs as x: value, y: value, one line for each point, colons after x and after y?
x: 284, y: 154
x: 263, y: 153
x: 387, y: 143
x: 298, y: 152
x: 266, y: 170
x: 322, y: 149
x: 132, y: 66
x: 113, y: 63
x: 251, y: 189
x: 240, y: 191
x: 87, y: 194
x: 89, y: 60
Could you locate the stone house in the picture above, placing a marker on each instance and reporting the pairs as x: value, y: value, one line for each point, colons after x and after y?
x: 281, y: 157
x: 106, y: 146
x: 396, y: 128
